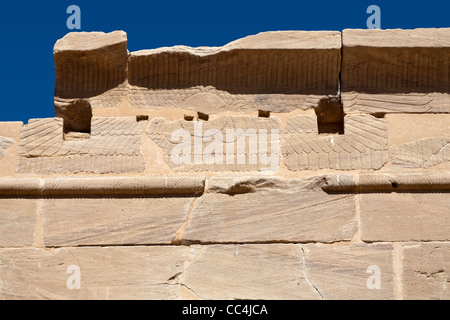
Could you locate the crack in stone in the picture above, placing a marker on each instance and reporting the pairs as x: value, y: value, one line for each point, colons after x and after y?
x: 434, y: 155
x: 188, y: 261
x: 429, y: 275
x: 190, y: 290
x: 306, y: 274
x: 174, y: 277
x: 179, y: 235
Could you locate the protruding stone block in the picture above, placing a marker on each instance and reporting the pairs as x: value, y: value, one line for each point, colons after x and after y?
x: 103, y: 186
x: 88, y: 64
x: 90, y: 69
x: 396, y: 71
x: 273, y: 71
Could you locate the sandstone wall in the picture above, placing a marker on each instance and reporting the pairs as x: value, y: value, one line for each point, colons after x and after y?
x: 285, y: 165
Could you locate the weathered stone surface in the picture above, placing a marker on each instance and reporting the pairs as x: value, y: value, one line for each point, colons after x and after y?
x: 228, y: 143
x: 234, y: 185
x: 388, y: 182
x: 272, y: 213
x: 114, y: 146
x: 90, y: 70
x: 406, y: 128
x: 226, y: 272
x: 341, y: 272
x: 396, y: 71
x: 106, y: 273
x: 103, y: 186
x: 405, y: 217
x: 434, y: 102
x: 20, y: 187
x: 9, y: 144
x: 288, y: 272
x: 77, y: 115
x: 89, y: 63
x: 18, y: 221
x: 210, y: 100
x: 5, y: 143
x: 363, y: 146
x: 75, y: 222
x: 308, y: 166
x: 423, y: 153
x: 274, y: 71
x: 426, y: 271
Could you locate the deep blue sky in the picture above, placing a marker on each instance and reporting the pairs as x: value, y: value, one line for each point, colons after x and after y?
x: 29, y: 30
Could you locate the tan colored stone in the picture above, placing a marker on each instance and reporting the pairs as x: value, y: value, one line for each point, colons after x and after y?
x: 406, y: 128
x: 246, y: 75
x: 20, y: 187
x: 89, y: 41
x: 353, y: 178
x: 423, y: 153
x: 90, y: 69
x: 405, y: 217
x: 239, y: 150
x: 114, y: 146
x: 5, y: 143
x: 342, y: 272
x: 425, y: 181
x: 210, y: 100
x: 9, y: 144
x: 89, y: 63
x: 288, y: 272
x: 18, y: 221
x: 268, y: 272
x: 272, y: 212
x: 75, y: 222
x: 363, y: 146
x: 426, y: 271
x: 395, y: 38
x: 106, y: 273
x: 396, y: 71
x: 103, y: 186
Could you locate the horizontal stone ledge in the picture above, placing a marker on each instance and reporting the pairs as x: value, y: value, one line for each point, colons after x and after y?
x: 104, y: 186
x: 395, y: 38
x: 388, y: 182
